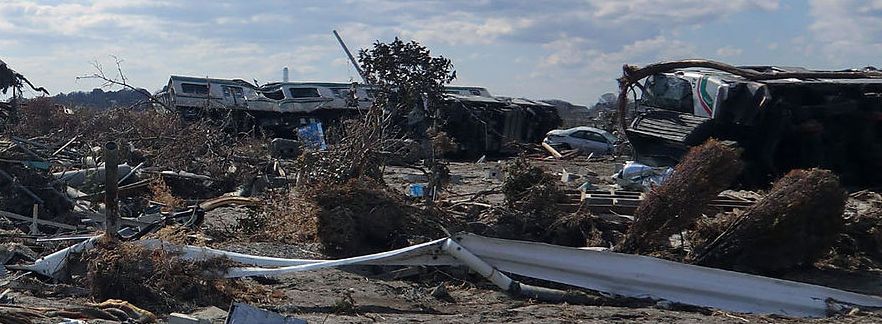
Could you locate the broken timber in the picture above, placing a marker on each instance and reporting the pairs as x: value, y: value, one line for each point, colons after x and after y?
x: 626, y: 202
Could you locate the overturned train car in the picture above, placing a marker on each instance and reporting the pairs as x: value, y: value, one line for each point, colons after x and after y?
x: 479, y: 122
x: 783, y: 118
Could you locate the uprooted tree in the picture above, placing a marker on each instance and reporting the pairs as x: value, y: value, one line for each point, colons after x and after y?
x: 409, y: 84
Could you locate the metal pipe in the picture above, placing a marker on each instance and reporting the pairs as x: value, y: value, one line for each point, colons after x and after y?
x: 480, y: 266
x: 511, y: 287
x: 111, y: 221
x: 131, y: 172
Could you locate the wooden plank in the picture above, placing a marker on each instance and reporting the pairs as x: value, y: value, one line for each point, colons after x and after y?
x: 551, y: 150
x: 39, y: 221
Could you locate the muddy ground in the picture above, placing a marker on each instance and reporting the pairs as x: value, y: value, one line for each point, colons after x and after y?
x: 366, y: 294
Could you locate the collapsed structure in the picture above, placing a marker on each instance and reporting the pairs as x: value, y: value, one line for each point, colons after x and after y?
x: 784, y: 118
x: 478, y: 121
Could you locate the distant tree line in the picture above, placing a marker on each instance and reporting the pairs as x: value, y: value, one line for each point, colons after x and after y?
x: 101, y: 100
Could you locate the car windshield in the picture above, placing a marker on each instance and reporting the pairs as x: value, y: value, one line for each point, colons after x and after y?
x: 610, y: 138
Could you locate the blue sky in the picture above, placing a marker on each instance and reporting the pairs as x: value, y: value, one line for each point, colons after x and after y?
x: 572, y: 50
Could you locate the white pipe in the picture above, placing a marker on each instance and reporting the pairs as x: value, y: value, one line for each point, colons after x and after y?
x: 476, y: 264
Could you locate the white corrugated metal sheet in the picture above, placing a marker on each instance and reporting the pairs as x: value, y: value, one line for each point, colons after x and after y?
x: 614, y: 273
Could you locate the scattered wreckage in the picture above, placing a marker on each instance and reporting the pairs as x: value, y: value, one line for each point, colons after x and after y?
x: 784, y: 118
x: 682, y: 242
x: 477, y: 121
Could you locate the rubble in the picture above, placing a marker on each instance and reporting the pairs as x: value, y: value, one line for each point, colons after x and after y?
x: 355, y: 217
x: 674, y: 206
x: 804, y: 206
x: 161, y: 281
x: 211, y: 213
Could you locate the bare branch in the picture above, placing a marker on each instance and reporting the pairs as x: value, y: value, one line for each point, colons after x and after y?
x: 120, y: 80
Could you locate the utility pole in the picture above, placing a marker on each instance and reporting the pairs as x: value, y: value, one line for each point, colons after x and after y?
x: 351, y: 58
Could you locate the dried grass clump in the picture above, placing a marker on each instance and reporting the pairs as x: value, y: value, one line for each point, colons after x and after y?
x: 285, y: 217
x: 160, y: 280
x: 520, y: 176
x: 674, y: 206
x: 177, y: 234
x: 357, y: 155
x: 163, y: 195
x: 793, y: 225
x: 707, y: 229
x: 42, y: 116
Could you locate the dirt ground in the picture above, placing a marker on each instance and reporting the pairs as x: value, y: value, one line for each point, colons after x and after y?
x: 366, y: 294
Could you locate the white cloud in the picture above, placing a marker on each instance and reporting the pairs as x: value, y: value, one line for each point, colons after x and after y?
x: 674, y: 11
x: 847, y: 29
x: 569, y: 49
x: 729, y: 51
x: 463, y: 28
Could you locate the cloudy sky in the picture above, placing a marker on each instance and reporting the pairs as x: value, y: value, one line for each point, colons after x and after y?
x: 538, y: 49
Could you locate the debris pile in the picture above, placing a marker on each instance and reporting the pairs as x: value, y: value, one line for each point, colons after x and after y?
x: 705, y: 171
x: 202, y: 205
x: 793, y: 225
x: 357, y: 217
x: 159, y: 280
x: 859, y: 245
x: 534, y: 212
x: 52, y: 159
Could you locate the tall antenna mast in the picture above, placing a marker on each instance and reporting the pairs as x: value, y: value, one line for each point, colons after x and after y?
x: 351, y: 58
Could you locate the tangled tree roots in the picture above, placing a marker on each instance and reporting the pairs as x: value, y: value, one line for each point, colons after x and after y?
x: 793, y: 225
x: 160, y: 280
x: 577, y: 229
x: 361, y: 216
x: 703, y: 173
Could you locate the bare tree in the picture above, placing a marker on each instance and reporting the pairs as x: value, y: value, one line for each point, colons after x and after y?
x: 119, y: 80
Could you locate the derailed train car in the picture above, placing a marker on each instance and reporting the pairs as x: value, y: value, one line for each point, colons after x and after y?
x: 482, y: 123
x: 783, y: 118
x: 479, y: 122
x: 277, y: 107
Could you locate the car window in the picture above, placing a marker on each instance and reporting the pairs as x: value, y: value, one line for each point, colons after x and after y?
x: 591, y: 136
x: 595, y: 137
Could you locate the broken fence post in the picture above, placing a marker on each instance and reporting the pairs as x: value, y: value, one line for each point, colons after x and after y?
x: 111, y: 221
x: 34, y: 229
